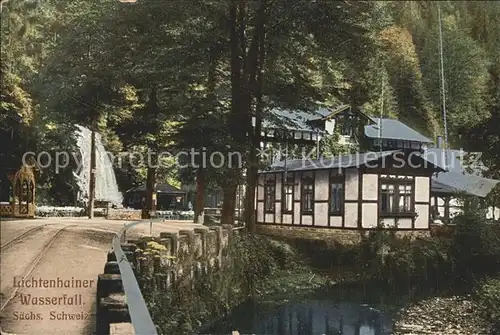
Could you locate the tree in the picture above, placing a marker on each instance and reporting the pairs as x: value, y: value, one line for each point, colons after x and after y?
x: 16, y: 105
x: 290, y: 61
x: 405, y: 79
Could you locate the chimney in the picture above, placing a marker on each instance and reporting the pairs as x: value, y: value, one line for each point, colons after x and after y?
x: 440, y: 142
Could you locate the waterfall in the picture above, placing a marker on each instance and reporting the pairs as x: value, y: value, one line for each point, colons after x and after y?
x: 106, y: 188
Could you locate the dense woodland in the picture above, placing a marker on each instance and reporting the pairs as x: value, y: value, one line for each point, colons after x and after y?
x: 165, y: 75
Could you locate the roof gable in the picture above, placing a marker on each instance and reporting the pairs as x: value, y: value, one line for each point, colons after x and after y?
x: 331, y: 113
x: 292, y: 120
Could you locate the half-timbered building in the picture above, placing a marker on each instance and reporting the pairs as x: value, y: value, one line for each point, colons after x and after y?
x: 356, y: 196
x: 359, y: 191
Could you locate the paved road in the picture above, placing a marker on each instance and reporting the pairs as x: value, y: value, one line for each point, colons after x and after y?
x: 60, y: 259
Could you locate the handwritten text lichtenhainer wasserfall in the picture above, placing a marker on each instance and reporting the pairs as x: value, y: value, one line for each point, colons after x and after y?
x: 62, y: 300
x: 38, y: 282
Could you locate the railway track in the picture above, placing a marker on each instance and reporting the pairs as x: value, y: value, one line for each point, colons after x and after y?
x: 28, y: 232
x: 34, y: 262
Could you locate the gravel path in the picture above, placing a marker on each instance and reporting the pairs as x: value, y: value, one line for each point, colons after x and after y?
x: 11, y: 229
x: 76, y: 255
x: 16, y: 259
x: 79, y: 253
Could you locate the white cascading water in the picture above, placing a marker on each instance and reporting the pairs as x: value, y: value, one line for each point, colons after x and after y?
x: 106, y: 188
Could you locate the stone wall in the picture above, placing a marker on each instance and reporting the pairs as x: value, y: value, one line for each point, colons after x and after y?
x: 121, y: 214
x: 167, y: 258
x: 329, y: 235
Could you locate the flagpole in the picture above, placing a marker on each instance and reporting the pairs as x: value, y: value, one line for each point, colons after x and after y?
x: 443, y: 93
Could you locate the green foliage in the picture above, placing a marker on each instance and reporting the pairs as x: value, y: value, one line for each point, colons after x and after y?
x: 470, y: 252
x: 408, y: 264
x: 67, y: 61
x: 405, y: 78
x: 475, y: 248
x: 255, y: 267
x: 330, y: 146
x: 464, y: 59
x: 488, y: 298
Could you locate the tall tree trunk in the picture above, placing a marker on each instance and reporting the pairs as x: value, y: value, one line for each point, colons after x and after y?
x: 237, y: 119
x: 215, y: 52
x: 200, y: 196
x: 150, y: 205
x: 255, y: 72
x: 92, y: 174
x: 229, y: 202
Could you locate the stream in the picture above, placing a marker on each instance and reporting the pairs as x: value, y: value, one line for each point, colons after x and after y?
x: 310, y: 317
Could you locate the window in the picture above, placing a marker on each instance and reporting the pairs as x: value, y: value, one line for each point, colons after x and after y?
x: 392, y: 144
x: 288, y: 195
x: 387, y: 198
x: 269, y: 196
x: 307, y: 195
x: 346, y: 127
x: 404, y: 195
x: 396, y: 197
x: 336, y: 197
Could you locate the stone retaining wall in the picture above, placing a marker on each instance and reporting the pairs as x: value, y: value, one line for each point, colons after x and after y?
x: 329, y: 235
x: 170, y: 256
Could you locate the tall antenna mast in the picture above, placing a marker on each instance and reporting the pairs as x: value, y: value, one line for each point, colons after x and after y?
x: 443, y: 96
x: 381, y: 114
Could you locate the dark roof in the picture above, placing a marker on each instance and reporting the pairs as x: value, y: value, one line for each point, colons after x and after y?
x: 455, y: 160
x: 394, y: 130
x: 324, y: 112
x: 452, y: 182
x: 160, y: 188
x: 338, y: 162
x: 457, y: 178
x: 292, y: 120
x: 437, y: 187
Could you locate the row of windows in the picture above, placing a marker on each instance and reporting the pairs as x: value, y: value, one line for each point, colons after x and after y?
x: 307, y: 196
x: 397, y: 144
x: 396, y: 196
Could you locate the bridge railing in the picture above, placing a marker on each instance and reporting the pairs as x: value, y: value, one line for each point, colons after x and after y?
x: 119, y: 278
x: 139, y: 314
x: 119, y: 296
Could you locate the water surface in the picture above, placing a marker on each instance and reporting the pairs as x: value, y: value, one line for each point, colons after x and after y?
x: 310, y: 317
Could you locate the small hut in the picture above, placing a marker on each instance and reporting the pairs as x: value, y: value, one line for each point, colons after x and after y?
x: 167, y: 196
x: 22, y: 203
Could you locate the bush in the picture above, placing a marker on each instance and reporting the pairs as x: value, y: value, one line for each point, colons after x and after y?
x: 488, y: 298
x: 404, y: 263
x: 465, y: 253
x: 187, y: 305
x: 475, y: 248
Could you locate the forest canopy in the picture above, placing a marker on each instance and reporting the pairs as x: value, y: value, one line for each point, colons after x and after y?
x: 168, y: 74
